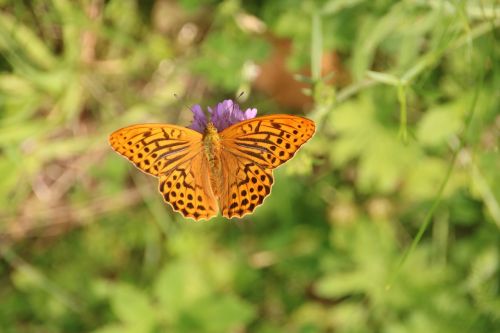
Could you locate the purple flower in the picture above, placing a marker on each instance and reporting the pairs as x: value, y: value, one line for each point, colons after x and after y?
x: 199, y: 119
x: 222, y: 116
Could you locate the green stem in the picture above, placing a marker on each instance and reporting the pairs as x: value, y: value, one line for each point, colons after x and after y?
x: 439, y: 196
x: 316, y: 47
x: 403, y: 129
x: 430, y: 213
x: 487, y: 194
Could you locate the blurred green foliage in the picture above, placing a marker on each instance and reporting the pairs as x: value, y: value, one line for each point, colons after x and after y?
x: 387, y: 221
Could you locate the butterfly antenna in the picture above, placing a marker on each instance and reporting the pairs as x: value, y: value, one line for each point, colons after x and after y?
x: 237, y: 99
x: 240, y: 94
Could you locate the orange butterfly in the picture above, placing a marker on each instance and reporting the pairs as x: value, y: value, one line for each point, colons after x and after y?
x: 228, y: 167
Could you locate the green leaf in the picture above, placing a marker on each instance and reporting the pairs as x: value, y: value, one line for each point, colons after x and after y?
x: 440, y: 123
x: 220, y: 313
x: 133, y: 307
x: 114, y: 328
x: 383, y: 159
x: 422, y: 178
x: 349, y: 316
x: 178, y: 285
x: 341, y: 284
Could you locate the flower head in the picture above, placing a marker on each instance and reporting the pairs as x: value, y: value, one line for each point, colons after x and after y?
x: 223, y: 115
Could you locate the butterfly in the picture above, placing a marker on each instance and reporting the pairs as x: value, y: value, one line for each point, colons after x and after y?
x: 230, y: 170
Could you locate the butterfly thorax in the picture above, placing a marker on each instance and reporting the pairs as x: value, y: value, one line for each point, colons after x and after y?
x: 212, y: 143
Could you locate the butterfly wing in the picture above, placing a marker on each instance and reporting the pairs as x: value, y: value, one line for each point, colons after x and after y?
x: 155, y: 148
x: 251, y: 149
x: 175, y: 155
x: 187, y: 188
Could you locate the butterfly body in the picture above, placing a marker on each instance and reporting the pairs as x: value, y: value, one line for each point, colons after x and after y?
x: 202, y: 173
x: 213, y: 146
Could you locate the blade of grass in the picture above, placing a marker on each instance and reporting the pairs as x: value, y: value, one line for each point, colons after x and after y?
x: 471, y: 10
x: 20, y: 41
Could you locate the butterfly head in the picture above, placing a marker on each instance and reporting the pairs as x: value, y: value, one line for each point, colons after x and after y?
x: 210, y: 129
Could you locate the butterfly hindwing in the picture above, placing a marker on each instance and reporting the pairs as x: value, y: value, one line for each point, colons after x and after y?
x: 186, y: 188
x: 244, y: 185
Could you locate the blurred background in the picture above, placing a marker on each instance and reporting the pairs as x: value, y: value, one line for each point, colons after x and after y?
x: 388, y: 220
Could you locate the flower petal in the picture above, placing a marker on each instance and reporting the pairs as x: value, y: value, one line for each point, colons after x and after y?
x: 199, y: 119
x: 250, y: 113
x: 228, y: 113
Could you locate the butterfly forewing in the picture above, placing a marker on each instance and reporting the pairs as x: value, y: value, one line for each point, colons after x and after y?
x: 155, y: 148
x: 175, y: 155
x: 251, y: 149
x: 270, y: 140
